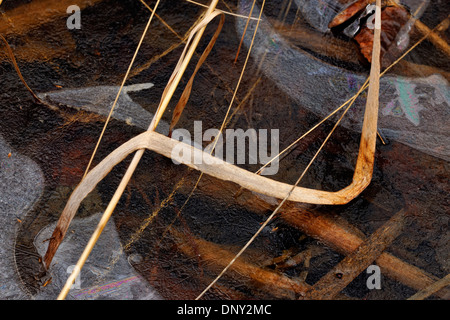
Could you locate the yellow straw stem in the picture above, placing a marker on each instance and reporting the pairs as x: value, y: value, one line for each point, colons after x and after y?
x: 137, y: 157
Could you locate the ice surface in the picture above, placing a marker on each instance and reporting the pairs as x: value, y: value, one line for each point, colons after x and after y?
x: 99, y: 99
x: 21, y: 185
x: 413, y: 111
x: 107, y: 274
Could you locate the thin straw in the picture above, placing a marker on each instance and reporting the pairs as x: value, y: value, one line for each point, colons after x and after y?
x: 372, y: 106
x: 117, y: 195
x: 120, y: 89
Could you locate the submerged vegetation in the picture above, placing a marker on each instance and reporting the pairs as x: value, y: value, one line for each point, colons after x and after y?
x: 213, y: 229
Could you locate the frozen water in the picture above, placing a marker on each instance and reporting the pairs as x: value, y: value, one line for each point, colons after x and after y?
x: 99, y: 100
x: 107, y: 274
x: 413, y: 111
x: 21, y: 185
x: 319, y: 13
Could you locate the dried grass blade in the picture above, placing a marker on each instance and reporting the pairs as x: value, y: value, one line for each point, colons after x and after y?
x: 186, y: 55
x: 366, y: 156
x: 16, y: 67
x: 167, y: 95
x: 245, y: 31
x: 187, y: 90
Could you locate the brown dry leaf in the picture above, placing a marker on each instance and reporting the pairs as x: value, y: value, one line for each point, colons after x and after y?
x: 392, y: 20
x: 349, y: 12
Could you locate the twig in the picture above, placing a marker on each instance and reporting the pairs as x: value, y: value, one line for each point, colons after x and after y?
x: 345, y: 241
x: 335, y: 233
x: 354, y: 263
x: 428, y: 291
x: 433, y: 36
x: 313, y: 224
x: 217, y: 257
